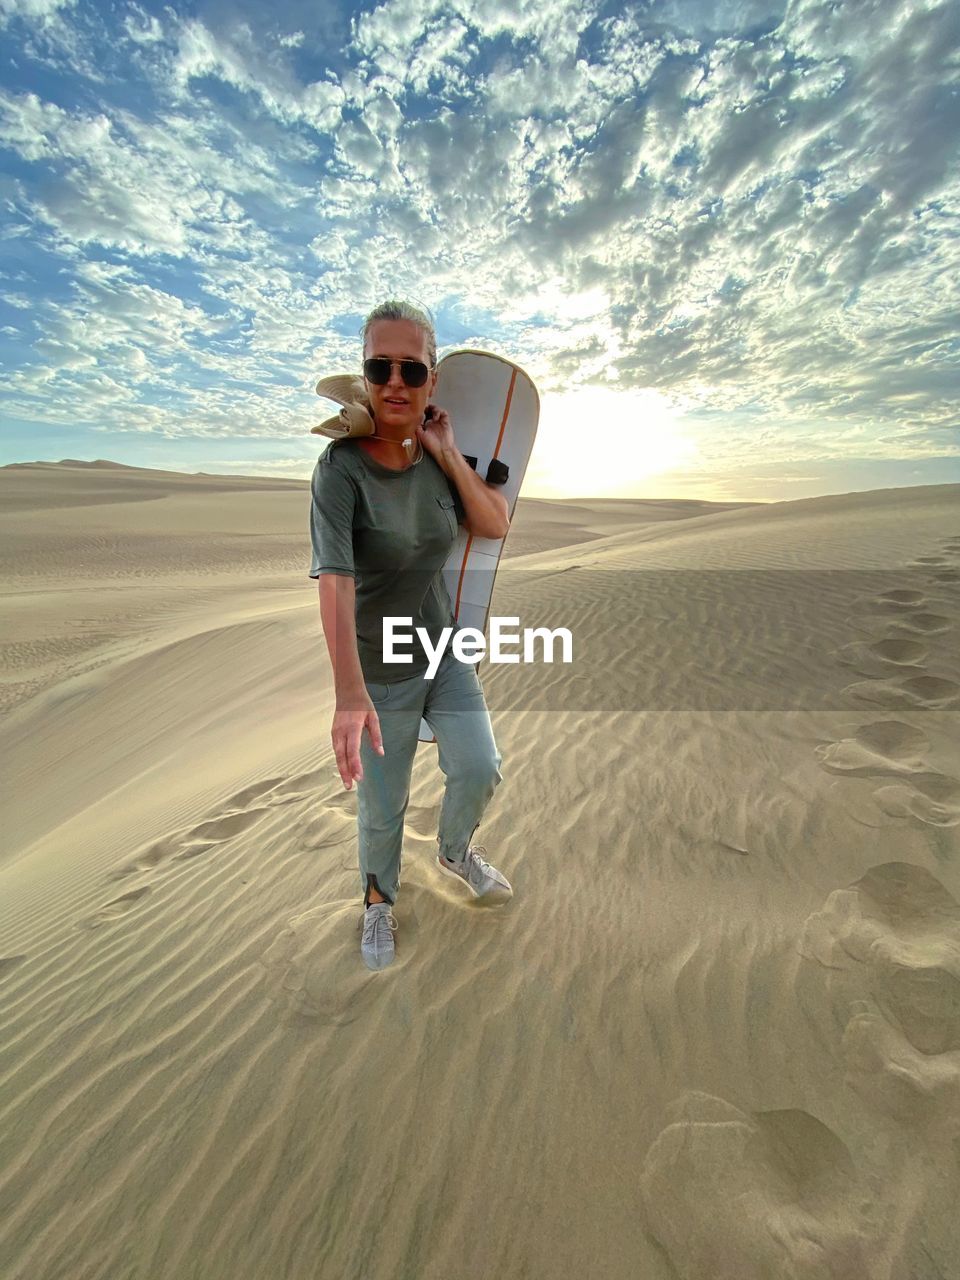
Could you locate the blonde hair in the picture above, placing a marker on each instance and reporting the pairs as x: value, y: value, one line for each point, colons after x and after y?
x: 397, y: 309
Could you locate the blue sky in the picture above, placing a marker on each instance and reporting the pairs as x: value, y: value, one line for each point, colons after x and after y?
x: 722, y: 237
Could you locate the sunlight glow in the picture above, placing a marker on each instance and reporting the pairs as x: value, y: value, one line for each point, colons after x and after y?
x: 601, y: 443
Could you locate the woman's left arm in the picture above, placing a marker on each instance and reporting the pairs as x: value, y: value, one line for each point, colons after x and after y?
x: 487, y: 513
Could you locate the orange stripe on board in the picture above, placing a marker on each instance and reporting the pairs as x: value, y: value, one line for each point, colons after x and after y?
x: 506, y: 411
x: 503, y: 426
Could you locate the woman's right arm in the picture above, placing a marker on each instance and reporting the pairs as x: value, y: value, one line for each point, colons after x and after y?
x: 354, y: 710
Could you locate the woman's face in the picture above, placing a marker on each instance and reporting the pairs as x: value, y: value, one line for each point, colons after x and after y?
x: 396, y: 404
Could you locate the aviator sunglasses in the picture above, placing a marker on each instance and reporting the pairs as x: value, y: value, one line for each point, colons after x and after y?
x: 377, y: 370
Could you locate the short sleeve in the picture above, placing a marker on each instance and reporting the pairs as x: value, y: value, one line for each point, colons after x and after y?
x: 332, y: 504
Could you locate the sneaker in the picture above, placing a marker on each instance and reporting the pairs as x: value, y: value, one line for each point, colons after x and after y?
x: 376, y: 941
x: 476, y: 871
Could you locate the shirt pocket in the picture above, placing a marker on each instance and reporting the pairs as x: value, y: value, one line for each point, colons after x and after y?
x: 450, y: 511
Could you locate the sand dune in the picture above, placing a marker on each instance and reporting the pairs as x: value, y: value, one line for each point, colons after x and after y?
x: 715, y: 1033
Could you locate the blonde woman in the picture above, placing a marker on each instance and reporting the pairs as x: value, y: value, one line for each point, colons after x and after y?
x: 382, y: 524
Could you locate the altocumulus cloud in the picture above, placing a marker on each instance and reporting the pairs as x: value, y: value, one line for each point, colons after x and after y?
x: 750, y: 210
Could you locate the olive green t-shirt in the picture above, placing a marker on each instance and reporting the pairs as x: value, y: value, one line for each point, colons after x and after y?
x: 391, y: 531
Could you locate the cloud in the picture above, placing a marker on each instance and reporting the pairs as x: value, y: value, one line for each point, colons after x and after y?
x: 142, y: 27
x: 37, y: 11
x: 122, y: 183
x: 743, y: 208
x: 243, y: 62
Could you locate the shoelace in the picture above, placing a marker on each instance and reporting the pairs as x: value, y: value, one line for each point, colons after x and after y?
x: 371, y: 923
x: 478, y: 867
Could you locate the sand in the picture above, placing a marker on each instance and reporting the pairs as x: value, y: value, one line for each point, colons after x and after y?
x: 714, y: 1034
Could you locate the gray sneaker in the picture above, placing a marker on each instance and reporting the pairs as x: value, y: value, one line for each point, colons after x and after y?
x: 376, y: 941
x: 476, y: 872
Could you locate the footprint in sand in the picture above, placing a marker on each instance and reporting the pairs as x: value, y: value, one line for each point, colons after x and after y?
x: 734, y: 1195
x: 897, y: 598
x: 898, y: 650
x: 881, y: 747
x: 208, y: 835
x: 239, y: 812
x: 276, y: 791
x: 931, y: 797
x: 895, y: 1078
x: 324, y: 827
x: 933, y: 692
x: 876, y: 658
x: 892, y: 748
x: 190, y: 843
x: 335, y: 823
x: 946, y: 575
x: 113, y: 910
x: 330, y: 823
x: 881, y: 656
x: 341, y: 799
x: 314, y: 968
x: 895, y: 934
x: 263, y: 791
x: 928, y: 624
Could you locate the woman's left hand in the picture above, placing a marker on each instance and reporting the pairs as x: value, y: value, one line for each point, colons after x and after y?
x: 436, y: 435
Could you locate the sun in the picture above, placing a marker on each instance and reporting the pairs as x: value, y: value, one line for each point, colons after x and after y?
x: 596, y: 442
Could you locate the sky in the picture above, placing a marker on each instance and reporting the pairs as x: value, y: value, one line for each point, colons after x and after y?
x: 722, y: 236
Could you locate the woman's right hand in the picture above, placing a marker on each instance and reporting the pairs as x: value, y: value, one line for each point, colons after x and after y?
x: 349, y: 721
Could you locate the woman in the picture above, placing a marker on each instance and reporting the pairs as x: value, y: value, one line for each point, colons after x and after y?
x: 382, y: 526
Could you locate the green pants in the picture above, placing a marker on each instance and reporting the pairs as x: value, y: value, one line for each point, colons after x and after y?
x: 454, y: 707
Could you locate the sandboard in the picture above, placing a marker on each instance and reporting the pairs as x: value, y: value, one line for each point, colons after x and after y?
x: 494, y: 409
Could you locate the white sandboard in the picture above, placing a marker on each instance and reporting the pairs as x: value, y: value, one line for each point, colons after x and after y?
x: 494, y: 409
